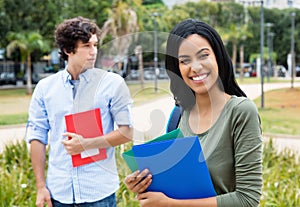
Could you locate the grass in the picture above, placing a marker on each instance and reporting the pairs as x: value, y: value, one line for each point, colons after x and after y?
x: 258, y: 80
x: 281, y: 183
x: 281, y: 114
x: 141, y: 94
x: 11, y: 119
x: 14, y: 103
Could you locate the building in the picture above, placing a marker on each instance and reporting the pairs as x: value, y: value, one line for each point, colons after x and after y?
x: 279, y: 4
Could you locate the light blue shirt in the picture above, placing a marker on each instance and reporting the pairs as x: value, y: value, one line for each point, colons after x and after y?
x: 51, y: 101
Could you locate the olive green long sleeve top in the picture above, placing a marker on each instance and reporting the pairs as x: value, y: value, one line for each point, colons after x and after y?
x: 233, y: 152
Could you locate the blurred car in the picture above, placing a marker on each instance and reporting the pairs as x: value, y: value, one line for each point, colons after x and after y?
x: 248, y: 70
x: 8, y: 78
x: 149, y: 73
x: 281, y: 71
x: 134, y: 75
x: 37, y: 76
x: 163, y: 74
x: 297, y: 71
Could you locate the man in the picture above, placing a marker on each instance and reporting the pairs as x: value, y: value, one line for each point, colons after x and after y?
x: 77, y: 88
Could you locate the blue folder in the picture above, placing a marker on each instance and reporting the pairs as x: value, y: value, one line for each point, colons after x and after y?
x: 178, y: 168
x: 129, y: 158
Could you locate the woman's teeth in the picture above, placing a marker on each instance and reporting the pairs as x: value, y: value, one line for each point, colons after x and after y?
x: 200, y: 77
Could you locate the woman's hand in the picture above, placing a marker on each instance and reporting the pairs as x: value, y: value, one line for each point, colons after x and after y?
x: 138, y: 181
x: 75, y: 145
x: 157, y: 199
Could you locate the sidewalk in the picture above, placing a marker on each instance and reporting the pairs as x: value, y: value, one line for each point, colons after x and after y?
x: 150, y: 119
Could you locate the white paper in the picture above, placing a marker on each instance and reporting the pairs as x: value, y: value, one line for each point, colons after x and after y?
x: 89, y: 153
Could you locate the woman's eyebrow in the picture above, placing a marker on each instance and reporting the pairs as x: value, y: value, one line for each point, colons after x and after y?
x: 183, y: 56
x: 203, y: 49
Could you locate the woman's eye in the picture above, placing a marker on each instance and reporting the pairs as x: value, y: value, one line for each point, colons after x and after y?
x: 185, y: 61
x: 202, y: 56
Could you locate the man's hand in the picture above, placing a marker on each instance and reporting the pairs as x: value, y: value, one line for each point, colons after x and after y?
x: 75, y: 145
x: 43, y: 196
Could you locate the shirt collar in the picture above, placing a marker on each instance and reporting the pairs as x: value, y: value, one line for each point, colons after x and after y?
x: 85, y: 76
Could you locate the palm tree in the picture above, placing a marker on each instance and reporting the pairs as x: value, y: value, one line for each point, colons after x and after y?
x: 122, y: 26
x: 26, y: 42
x: 235, y: 34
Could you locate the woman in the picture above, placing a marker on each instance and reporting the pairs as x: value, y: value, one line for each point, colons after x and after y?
x: 217, y: 110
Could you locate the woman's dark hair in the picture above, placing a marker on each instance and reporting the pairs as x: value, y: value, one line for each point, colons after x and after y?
x: 183, y: 95
x: 70, y: 31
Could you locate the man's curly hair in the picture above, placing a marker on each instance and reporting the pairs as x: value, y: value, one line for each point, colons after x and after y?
x: 70, y: 31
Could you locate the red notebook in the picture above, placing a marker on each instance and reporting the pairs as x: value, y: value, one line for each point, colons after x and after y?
x: 89, y: 125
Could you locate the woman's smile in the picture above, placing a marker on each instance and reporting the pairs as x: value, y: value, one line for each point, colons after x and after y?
x: 199, y: 78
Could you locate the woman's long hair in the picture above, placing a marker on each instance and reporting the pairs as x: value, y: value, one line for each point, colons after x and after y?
x: 183, y: 95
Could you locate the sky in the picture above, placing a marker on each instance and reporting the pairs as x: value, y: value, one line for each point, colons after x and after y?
x: 170, y: 3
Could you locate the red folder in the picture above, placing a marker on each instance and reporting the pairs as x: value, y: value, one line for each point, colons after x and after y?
x: 89, y: 125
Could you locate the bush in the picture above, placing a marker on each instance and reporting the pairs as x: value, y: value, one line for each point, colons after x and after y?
x: 281, y: 182
x: 281, y: 186
x: 17, y: 183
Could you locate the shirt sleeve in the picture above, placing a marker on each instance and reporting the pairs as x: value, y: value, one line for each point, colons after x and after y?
x: 121, y: 104
x: 248, y: 157
x: 38, y: 120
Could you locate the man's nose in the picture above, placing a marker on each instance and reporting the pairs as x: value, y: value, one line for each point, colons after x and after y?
x: 94, y: 50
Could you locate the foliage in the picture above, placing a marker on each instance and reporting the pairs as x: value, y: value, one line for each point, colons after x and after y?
x: 281, y: 181
x: 17, y: 183
x: 125, y: 198
x: 151, y: 2
x: 43, y: 15
x: 26, y: 42
x: 16, y: 176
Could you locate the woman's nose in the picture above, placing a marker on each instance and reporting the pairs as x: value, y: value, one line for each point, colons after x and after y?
x: 196, y: 66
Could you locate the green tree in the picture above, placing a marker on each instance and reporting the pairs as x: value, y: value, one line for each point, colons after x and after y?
x: 122, y: 26
x: 236, y: 35
x: 151, y: 2
x: 26, y: 42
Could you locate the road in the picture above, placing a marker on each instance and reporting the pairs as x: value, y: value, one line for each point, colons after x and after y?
x: 150, y: 119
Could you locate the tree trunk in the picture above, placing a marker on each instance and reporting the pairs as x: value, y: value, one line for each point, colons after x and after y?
x: 234, y: 57
x: 139, y: 54
x: 29, y: 83
x: 242, y: 62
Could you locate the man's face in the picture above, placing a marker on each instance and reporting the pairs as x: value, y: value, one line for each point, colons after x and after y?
x: 85, y: 54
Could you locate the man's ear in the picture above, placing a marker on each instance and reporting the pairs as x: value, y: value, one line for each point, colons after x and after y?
x: 67, y: 53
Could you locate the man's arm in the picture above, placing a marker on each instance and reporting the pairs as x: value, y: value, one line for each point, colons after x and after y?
x: 38, y: 159
x: 78, y: 144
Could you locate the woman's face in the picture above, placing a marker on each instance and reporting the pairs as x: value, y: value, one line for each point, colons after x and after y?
x: 197, y: 64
